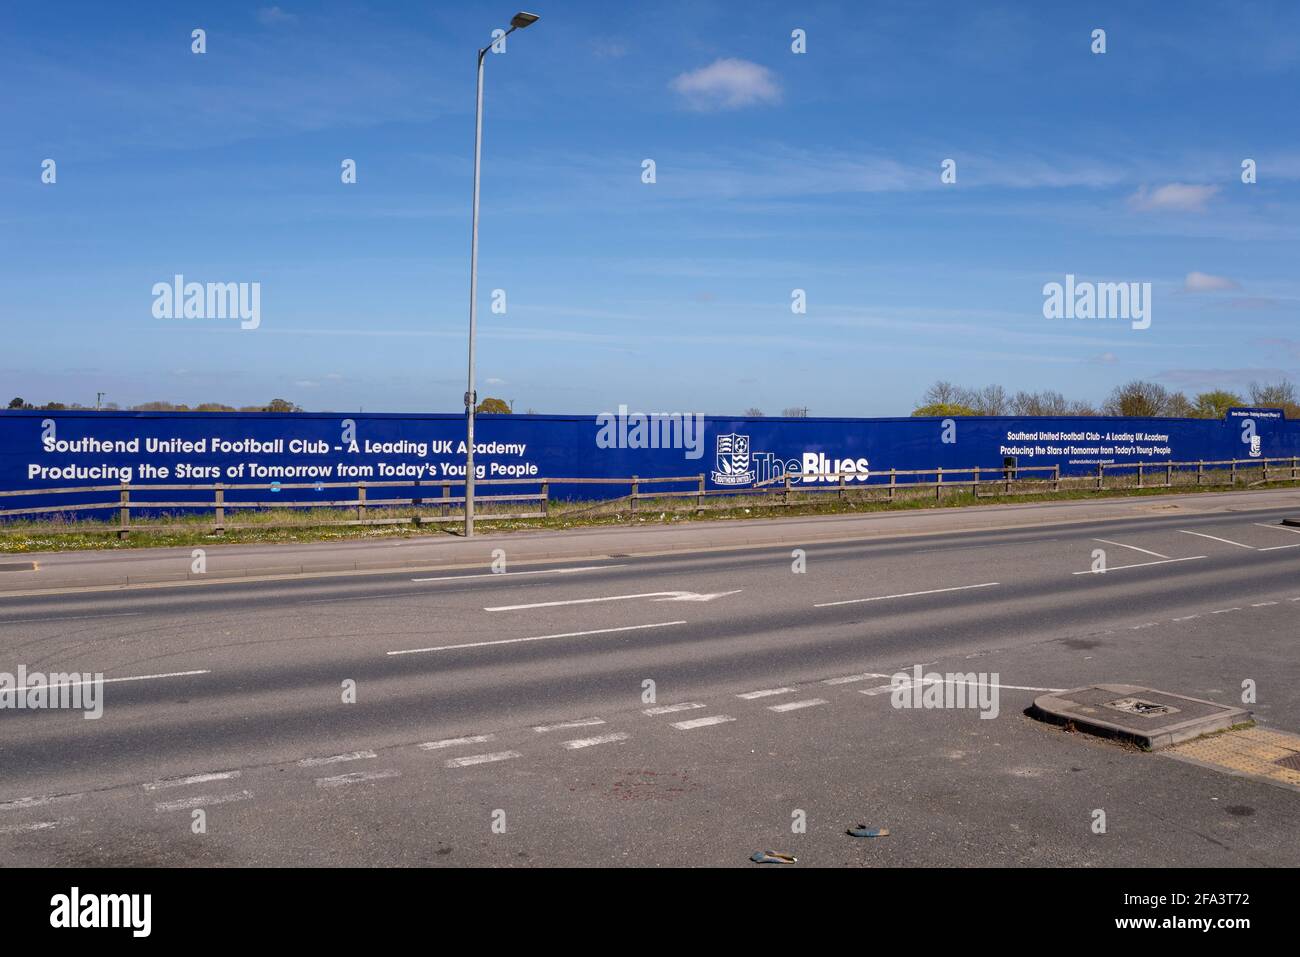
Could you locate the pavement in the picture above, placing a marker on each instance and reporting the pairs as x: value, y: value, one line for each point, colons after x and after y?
x: 671, y: 707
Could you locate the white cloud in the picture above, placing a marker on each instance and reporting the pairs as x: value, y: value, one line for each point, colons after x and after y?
x: 270, y: 16
x: 728, y: 84
x: 1204, y: 282
x: 1173, y: 197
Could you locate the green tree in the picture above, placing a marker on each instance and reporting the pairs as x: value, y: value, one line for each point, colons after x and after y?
x: 281, y: 405
x: 1215, y: 405
x: 945, y: 409
x: 493, y: 407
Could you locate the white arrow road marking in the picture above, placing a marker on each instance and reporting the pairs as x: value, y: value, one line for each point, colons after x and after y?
x: 515, y: 641
x: 660, y: 595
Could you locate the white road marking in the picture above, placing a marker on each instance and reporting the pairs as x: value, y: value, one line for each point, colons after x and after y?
x: 765, y: 693
x: 1145, y: 624
x: 73, y: 684
x: 1187, y: 618
x: 1145, y: 551
x: 881, y: 689
x: 1215, y: 538
x: 205, y: 800
x: 796, y: 705
x: 579, y: 723
x: 670, y: 708
x: 601, y: 739
x: 356, y: 777
x: 335, y: 759
x: 164, y: 783
x: 703, y: 722
x: 455, y: 742
x: 993, y: 685
x: 22, y: 804
x: 1280, y: 528
x: 28, y: 621
x: 515, y: 641
x: 37, y: 826
x: 543, y: 571
x: 909, y: 594
x: 1263, y: 604
x: 1223, y: 611
x: 1116, y: 568
x: 850, y: 679
x: 482, y: 758
x: 1274, y: 548
x: 664, y: 595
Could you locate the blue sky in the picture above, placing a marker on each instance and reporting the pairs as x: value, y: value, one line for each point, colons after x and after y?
x: 775, y: 171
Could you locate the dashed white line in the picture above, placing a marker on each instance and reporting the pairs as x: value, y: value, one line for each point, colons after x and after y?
x: 599, y: 739
x: 578, y: 723
x: 515, y: 641
x: 882, y: 689
x: 796, y: 705
x: 455, y: 742
x: 163, y: 783
x: 850, y: 679
x: 1116, y: 568
x: 473, y: 759
x: 28, y: 621
x: 1263, y: 604
x: 73, y: 684
x: 907, y: 594
x: 1215, y: 538
x: 703, y: 722
x: 36, y: 826
x: 22, y: 804
x: 1186, y: 618
x: 205, y: 800
x: 335, y: 759
x: 1145, y: 551
x: 765, y: 693
x: 671, y: 708
x: 543, y: 571
x: 1280, y: 528
x: 1224, y: 611
x: 356, y: 777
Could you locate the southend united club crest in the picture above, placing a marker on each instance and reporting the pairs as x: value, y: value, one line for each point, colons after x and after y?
x: 733, y: 461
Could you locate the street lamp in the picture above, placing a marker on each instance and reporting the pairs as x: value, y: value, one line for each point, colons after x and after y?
x: 518, y: 22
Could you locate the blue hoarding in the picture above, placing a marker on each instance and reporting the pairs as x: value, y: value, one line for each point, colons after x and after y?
x: 40, y: 449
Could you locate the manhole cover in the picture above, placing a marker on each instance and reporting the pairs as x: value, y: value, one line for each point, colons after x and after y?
x: 1291, y: 761
x: 1138, y: 706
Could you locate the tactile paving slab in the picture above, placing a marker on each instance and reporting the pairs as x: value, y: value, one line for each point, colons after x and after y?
x: 1254, y: 752
x: 1154, y: 719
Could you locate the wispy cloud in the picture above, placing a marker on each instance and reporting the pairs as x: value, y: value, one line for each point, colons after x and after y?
x: 1204, y: 282
x: 273, y: 16
x: 728, y: 84
x: 1173, y: 197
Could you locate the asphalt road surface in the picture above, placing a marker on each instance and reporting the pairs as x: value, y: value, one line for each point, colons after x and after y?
x: 675, y: 710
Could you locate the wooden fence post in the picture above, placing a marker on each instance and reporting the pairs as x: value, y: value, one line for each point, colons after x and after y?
x: 636, y: 490
x: 1056, y: 477
x: 361, y: 501
x: 446, y: 494
x: 1234, y: 473
x: 1139, y: 475
x: 938, y: 486
x: 1200, y: 471
x: 976, y: 488
x: 546, y: 498
x: 785, y: 492
x: 220, y: 528
x: 1169, y: 475
x: 699, y: 500
x: 124, y: 510
x: 1101, y: 476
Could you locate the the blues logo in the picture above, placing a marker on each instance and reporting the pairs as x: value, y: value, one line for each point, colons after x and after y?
x: 733, y: 461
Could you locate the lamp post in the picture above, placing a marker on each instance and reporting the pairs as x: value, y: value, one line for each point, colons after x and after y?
x: 518, y: 22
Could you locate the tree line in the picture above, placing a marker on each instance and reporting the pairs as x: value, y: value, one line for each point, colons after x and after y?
x: 1136, y: 398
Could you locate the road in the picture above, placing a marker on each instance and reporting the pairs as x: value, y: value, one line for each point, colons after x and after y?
x: 508, y: 718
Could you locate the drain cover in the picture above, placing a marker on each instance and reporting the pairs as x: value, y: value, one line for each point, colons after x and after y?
x: 1154, y: 719
x: 1291, y: 761
x: 1138, y: 706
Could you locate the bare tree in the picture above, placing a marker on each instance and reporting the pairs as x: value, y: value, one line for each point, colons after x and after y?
x: 795, y: 412
x: 753, y: 413
x: 1137, y: 398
